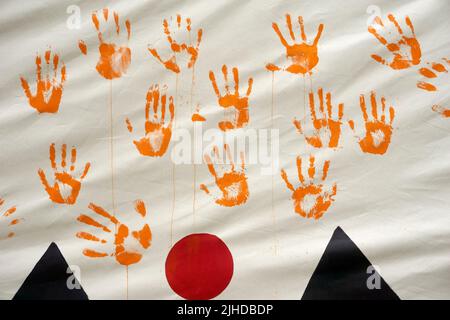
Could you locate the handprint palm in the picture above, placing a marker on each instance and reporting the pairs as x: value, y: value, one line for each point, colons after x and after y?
x: 128, y: 246
x: 303, y: 56
x: 233, y: 100
x: 179, y: 47
x: 157, y: 132
x: 326, y: 124
x: 114, y: 59
x: 48, y: 91
x: 378, y: 132
x: 231, y: 182
x: 322, y: 199
x: 63, y: 178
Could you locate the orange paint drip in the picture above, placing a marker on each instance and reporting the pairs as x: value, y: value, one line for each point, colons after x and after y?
x: 49, y: 89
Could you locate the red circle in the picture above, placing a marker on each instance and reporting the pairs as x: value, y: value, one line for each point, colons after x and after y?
x: 199, y: 266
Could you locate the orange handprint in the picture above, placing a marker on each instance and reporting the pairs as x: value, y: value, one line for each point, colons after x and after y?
x: 49, y: 90
x: 303, y: 56
x: 114, y: 59
x: 326, y: 126
x: 378, y: 132
x: 233, y: 100
x: 157, y: 132
x: 7, y: 215
x: 406, y: 50
x: 310, y: 199
x: 178, y: 47
x: 232, y: 183
x: 63, y: 177
x: 128, y: 246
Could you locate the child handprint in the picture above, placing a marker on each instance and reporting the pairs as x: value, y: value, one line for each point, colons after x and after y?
x: 378, y: 131
x: 179, y: 47
x: 114, y: 59
x: 63, y: 177
x: 303, y: 56
x: 310, y: 199
x: 324, y: 126
x: 157, y: 132
x: 128, y: 246
x: 7, y: 215
x: 405, y: 50
x: 233, y: 100
x: 232, y: 182
x: 49, y: 89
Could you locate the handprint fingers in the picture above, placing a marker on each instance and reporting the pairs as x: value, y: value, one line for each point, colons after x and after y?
x: 9, y: 214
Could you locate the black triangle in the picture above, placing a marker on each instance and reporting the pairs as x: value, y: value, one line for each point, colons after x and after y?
x: 342, y: 274
x: 48, y: 280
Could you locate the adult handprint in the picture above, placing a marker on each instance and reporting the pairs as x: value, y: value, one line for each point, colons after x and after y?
x: 114, y: 59
x: 179, y: 47
x: 8, y: 215
x: 231, y: 182
x: 405, y: 50
x: 324, y: 126
x: 128, y: 246
x: 233, y: 100
x: 310, y: 199
x: 378, y: 131
x: 157, y: 132
x: 63, y: 178
x: 302, y: 56
x: 49, y: 89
